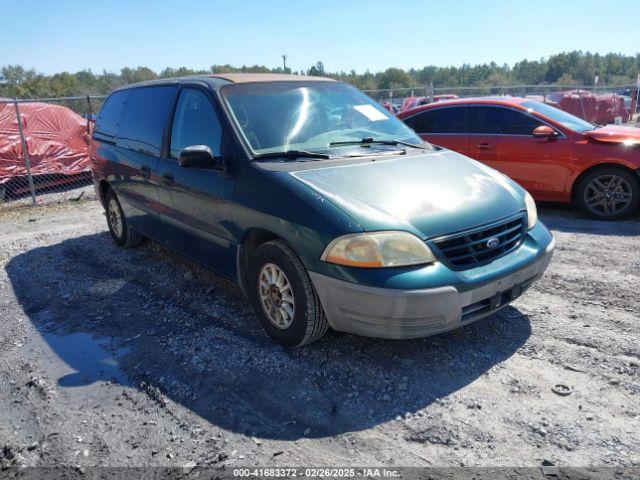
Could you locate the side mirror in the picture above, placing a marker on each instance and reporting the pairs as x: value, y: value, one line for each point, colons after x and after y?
x: 544, y: 131
x: 199, y: 156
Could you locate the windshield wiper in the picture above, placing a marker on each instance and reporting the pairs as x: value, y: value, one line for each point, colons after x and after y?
x: 371, y: 140
x: 291, y: 154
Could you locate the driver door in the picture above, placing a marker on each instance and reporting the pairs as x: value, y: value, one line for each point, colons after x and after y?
x: 195, y: 203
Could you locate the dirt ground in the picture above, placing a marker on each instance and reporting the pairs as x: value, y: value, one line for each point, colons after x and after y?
x: 139, y: 358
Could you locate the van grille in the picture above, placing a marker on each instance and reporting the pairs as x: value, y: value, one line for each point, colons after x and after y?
x: 469, y: 249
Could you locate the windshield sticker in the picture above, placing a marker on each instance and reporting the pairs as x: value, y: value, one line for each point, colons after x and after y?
x: 371, y: 112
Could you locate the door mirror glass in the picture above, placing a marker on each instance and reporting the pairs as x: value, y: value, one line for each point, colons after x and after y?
x: 198, y: 156
x: 544, y: 131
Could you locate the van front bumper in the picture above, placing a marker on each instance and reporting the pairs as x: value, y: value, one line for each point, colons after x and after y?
x: 398, y: 314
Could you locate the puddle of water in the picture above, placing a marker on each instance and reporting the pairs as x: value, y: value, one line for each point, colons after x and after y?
x: 87, y: 360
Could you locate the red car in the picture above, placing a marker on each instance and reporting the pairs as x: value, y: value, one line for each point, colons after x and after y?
x: 553, y: 154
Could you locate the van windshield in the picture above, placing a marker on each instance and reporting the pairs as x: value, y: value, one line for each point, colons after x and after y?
x: 309, y: 116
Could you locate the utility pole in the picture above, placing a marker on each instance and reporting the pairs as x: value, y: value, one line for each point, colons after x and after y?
x: 284, y: 61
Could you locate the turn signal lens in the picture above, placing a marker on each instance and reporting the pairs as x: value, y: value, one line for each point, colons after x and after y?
x: 378, y: 249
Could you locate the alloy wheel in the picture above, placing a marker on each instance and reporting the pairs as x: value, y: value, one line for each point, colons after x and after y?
x: 276, y: 296
x: 608, y: 195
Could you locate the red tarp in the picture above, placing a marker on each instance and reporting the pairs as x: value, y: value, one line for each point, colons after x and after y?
x: 609, y: 107
x: 57, y: 141
x: 580, y: 103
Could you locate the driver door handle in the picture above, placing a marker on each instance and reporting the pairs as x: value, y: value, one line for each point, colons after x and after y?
x: 484, y: 146
x: 167, y: 179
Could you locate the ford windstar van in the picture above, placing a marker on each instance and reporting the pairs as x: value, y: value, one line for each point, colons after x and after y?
x: 326, y: 209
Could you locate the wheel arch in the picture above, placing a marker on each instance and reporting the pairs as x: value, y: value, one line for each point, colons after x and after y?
x: 587, y: 171
x: 103, y: 187
x: 251, y: 240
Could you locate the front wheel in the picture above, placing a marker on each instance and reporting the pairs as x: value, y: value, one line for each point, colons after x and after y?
x: 608, y: 193
x: 284, y: 297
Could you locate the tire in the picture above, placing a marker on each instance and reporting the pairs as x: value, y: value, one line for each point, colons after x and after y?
x: 620, y: 193
x: 307, y: 321
x: 120, y: 231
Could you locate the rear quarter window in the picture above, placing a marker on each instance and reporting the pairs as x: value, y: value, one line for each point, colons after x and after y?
x: 144, y: 118
x: 109, y: 117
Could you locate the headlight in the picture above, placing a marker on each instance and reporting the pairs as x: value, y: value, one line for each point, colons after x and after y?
x: 532, y: 211
x: 378, y: 249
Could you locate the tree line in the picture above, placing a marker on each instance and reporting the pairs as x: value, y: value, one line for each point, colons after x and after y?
x: 569, y: 68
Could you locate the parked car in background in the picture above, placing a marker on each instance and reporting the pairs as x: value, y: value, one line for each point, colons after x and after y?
x: 630, y: 96
x: 445, y: 96
x: 348, y: 221
x: 628, y: 103
x: 412, y: 102
x: 390, y: 107
x: 556, y: 156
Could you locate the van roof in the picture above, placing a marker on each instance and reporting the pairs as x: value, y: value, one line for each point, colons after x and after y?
x: 269, y: 77
x: 219, y: 79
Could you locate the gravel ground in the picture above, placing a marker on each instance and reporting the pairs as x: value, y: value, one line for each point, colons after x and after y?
x: 140, y: 358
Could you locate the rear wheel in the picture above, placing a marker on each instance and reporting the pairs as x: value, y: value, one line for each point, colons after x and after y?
x: 121, y: 232
x: 284, y: 297
x: 608, y: 193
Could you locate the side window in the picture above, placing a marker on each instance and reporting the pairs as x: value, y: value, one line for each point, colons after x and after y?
x: 195, y: 123
x: 501, y: 121
x: 109, y: 117
x: 145, y: 116
x: 517, y: 123
x: 440, y: 120
x: 485, y: 120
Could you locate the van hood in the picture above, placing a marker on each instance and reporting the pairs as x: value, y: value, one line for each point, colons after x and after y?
x: 430, y: 195
x: 615, y: 134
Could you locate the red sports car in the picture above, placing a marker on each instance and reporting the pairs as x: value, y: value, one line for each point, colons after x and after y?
x: 556, y: 156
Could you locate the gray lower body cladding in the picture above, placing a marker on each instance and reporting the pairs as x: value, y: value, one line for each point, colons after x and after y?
x: 398, y: 314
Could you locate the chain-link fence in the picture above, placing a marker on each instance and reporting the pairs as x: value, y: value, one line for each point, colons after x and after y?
x: 44, y: 149
x: 601, y: 105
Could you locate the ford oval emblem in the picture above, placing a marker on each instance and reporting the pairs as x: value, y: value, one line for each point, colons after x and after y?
x: 493, y: 242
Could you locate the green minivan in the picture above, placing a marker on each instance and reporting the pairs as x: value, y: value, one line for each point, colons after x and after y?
x: 326, y: 209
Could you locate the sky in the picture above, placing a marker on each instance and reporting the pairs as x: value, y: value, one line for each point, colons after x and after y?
x: 350, y: 34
